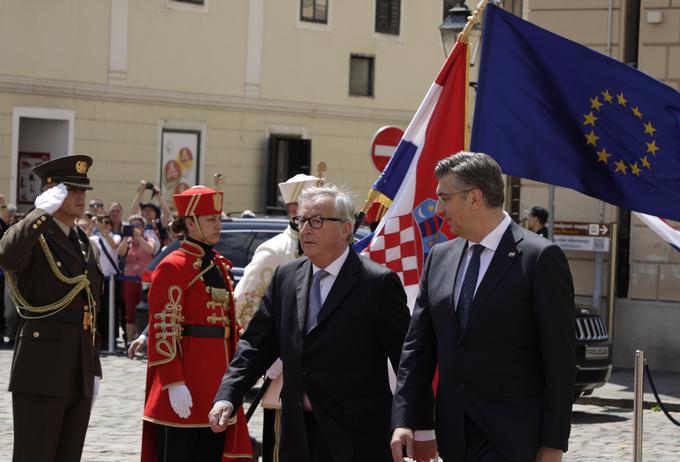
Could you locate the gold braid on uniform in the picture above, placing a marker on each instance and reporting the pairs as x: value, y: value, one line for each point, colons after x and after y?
x: 79, y: 283
x: 169, y: 327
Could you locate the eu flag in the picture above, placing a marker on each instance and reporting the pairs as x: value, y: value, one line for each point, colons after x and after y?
x: 555, y: 111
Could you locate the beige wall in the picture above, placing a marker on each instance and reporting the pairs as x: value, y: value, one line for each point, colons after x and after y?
x: 58, y: 39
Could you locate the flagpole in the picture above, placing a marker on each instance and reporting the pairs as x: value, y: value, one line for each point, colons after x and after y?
x: 473, y: 19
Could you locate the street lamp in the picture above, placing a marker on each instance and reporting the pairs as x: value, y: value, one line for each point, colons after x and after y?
x: 453, y: 25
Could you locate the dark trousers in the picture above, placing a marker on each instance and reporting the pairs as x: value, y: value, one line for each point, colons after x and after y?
x: 49, y: 428
x: 478, y: 448
x: 175, y: 444
x: 318, y: 449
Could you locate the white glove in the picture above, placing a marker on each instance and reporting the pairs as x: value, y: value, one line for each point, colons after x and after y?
x: 52, y: 198
x: 95, y: 389
x: 275, y: 369
x: 180, y: 400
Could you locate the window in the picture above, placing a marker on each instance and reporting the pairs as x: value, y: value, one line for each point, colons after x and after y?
x: 387, y: 16
x: 314, y: 11
x: 193, y: 2
x: 513, y: 6
x: 287, y: 157
x: 361, y: 75
x: 448, y: 4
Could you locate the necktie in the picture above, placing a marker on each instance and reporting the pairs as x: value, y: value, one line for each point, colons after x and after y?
x: 467, y: 290
x: 315, y: 299
x: 73, y: 237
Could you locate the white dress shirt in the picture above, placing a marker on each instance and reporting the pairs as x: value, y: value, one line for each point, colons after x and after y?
x: 490, y: 243
x: 333, y: 269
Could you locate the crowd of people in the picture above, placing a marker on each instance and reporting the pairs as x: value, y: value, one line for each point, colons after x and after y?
x: 484, y: 361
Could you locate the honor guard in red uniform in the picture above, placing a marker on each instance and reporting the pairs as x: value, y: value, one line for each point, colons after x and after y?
x: 192, y: 337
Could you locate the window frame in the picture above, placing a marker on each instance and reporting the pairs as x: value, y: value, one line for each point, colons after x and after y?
x: 304, y: 19
x: 375, y: 18
x: 371, y: 76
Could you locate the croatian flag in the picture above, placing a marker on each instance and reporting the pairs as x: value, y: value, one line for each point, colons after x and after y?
x: 663, y: 229
x: 410, y: 228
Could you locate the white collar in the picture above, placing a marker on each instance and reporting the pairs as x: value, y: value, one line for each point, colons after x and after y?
x: 493, y: 239
x: 334, y: 267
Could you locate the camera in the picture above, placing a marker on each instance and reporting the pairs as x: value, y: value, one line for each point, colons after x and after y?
x: 149, y: 185
x: 127, y: 230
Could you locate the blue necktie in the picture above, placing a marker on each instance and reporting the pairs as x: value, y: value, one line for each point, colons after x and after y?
x: 467, y: 290
x: 315, y: 299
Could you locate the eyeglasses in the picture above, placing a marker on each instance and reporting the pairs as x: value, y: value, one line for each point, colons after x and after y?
x: 444, y: 196
x: 315, y: 222
x: 96, y: 205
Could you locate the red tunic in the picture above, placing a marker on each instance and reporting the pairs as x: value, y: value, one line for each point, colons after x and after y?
x: 179, y: 297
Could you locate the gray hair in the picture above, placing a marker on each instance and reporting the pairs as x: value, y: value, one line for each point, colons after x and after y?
x: 475, y: 170
x: 344, y: 205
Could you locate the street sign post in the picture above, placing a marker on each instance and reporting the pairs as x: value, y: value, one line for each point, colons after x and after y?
x: 383, y: 145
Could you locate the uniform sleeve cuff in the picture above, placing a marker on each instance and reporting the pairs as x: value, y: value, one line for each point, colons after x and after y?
x: 424, y: 435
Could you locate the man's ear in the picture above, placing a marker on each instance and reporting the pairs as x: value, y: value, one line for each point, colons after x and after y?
x: 477, y: 198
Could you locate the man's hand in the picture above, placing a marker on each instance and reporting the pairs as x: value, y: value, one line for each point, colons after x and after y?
x: 549, y: 455
x: 219, y: 415
x: 425, y: 451
x: 401, y: 437
x: 275, y: 369
x: 51, y: 199
x: 136, y: 346
x: 180, y: 400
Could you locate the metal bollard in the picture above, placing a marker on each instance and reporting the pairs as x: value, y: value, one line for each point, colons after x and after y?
x: 639, y: 389
x: 112, y: 313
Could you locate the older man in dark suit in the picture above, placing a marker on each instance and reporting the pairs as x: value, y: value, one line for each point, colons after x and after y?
x: 55, y: 281
x: 334, y: 318
x: 495, y: 313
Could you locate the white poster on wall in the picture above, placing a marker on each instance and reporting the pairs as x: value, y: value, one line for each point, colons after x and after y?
x: 179, y: 161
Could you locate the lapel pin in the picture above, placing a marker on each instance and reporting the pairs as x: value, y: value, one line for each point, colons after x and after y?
x: 511, y: 254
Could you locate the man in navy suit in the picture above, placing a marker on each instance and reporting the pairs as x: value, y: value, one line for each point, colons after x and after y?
x: 495, y: 314
x: 335, y: 319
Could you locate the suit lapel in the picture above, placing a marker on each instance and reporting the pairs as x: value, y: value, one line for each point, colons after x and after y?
x: 303, y: 277
x: 454, y: 259
x: 346, y: 279
x: 505, y: 256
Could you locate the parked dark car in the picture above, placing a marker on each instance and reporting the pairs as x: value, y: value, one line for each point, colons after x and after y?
x: 593, y: 351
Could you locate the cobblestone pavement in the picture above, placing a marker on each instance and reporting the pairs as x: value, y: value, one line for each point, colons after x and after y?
x: 598, y: 433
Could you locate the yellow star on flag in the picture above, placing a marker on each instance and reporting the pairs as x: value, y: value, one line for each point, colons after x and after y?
x: 607, y: 97
x: 589, y: 119
x: 645, y: 163
x: 430, y: 208
x: 637, y: 113
x: 649, y: 129
x: 652, y: 147
x: 635, y: 170
x: 622, y: 99
x: 595, y: 103
x: 621, y: 166
x: 592, y: 138
x: 603, y: 155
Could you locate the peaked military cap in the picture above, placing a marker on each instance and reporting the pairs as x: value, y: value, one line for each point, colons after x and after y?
x: 70, y: 170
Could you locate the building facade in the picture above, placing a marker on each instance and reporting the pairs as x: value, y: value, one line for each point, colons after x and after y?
x: 174, y: 91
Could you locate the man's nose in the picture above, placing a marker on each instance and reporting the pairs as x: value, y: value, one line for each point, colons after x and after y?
x: 439, y: 210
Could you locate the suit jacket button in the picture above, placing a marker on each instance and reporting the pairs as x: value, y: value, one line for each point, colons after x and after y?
x: 36, y: 334
x: 461, y: 386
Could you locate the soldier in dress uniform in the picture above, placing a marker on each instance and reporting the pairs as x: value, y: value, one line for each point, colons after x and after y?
x: 55, y: 283
x: 192, y: 337
x: 257, y: 274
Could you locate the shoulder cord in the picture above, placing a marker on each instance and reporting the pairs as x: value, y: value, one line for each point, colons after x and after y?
x: 207, y: 268
x: 79, y: 283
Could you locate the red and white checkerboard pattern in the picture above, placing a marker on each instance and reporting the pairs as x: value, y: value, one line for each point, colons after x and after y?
x: 395, y: 247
